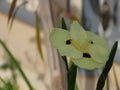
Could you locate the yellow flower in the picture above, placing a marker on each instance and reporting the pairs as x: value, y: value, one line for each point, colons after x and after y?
x: 87, y: 50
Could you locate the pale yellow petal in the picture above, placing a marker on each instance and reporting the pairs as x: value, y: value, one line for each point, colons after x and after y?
x: 87, y: 63
x: 77, y: 33
x: 58, y: 37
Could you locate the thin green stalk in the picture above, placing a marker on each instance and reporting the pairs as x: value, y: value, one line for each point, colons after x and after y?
x: 72, y: 77
x: 63, y: 26
x: 65, y: 61
x: 14, y: 61
x: 1, y: 79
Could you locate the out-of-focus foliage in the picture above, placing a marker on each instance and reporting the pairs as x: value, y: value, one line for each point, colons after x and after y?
x: 38, y: 35
x: 13, y: 11
x: 11, y: 16
x: 16, y: 64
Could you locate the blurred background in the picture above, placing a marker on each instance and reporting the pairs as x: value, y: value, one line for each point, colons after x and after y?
x: 99, y: 16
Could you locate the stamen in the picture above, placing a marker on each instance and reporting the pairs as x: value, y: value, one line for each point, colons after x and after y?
x: 82, y: 48
x: 75, y: 45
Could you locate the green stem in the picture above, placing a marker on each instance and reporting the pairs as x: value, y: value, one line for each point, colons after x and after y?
x: 72, y: 77
x: 63, y: 26
x: 1, y: 79
x: 14, y: 61
x: 65, y: 60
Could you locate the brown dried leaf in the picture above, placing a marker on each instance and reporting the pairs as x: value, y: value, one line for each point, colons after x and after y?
x: 38, y: 35
x: 12, y: 7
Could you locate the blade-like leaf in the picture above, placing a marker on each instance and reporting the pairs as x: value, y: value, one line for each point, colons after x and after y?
x: 14, y: 61
x: 5, y: 66
x: 12, y: 7
x: 72, y: 77
x: 15, y: 12
x: 2, y: 80
x: 63, y: 26
x: 6, y: 85
x: 65, y: 60
x: 61, y: 23
x: 38, y: 35
x: 109, y: 63
x: 76, y: 87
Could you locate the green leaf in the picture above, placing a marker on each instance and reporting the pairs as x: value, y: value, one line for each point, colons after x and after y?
x: 14, y: 61
x: 109, y: 63
x: 63, y: 26
x: 8, y: 86
x: 2, y: 80
x: 72, y: 77
x: 76, y: 86
x: 5, y: 66
x: 38, y: 36
x: 65, y: 60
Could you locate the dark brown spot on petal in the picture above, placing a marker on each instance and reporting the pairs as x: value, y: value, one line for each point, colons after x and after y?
x: 86, y: 55
x: 68, y: 42
x: 91, y: 42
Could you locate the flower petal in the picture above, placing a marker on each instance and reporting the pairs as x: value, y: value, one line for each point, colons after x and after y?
x: 98, y: 53
x: 70, y: 51
x: 87, y: 63
x: 97, y: 40
x: 99, y: 48
x: 77, y: 33
x: 59, y: 37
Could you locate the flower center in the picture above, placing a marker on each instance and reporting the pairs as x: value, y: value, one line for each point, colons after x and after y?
x: 82, y: 48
